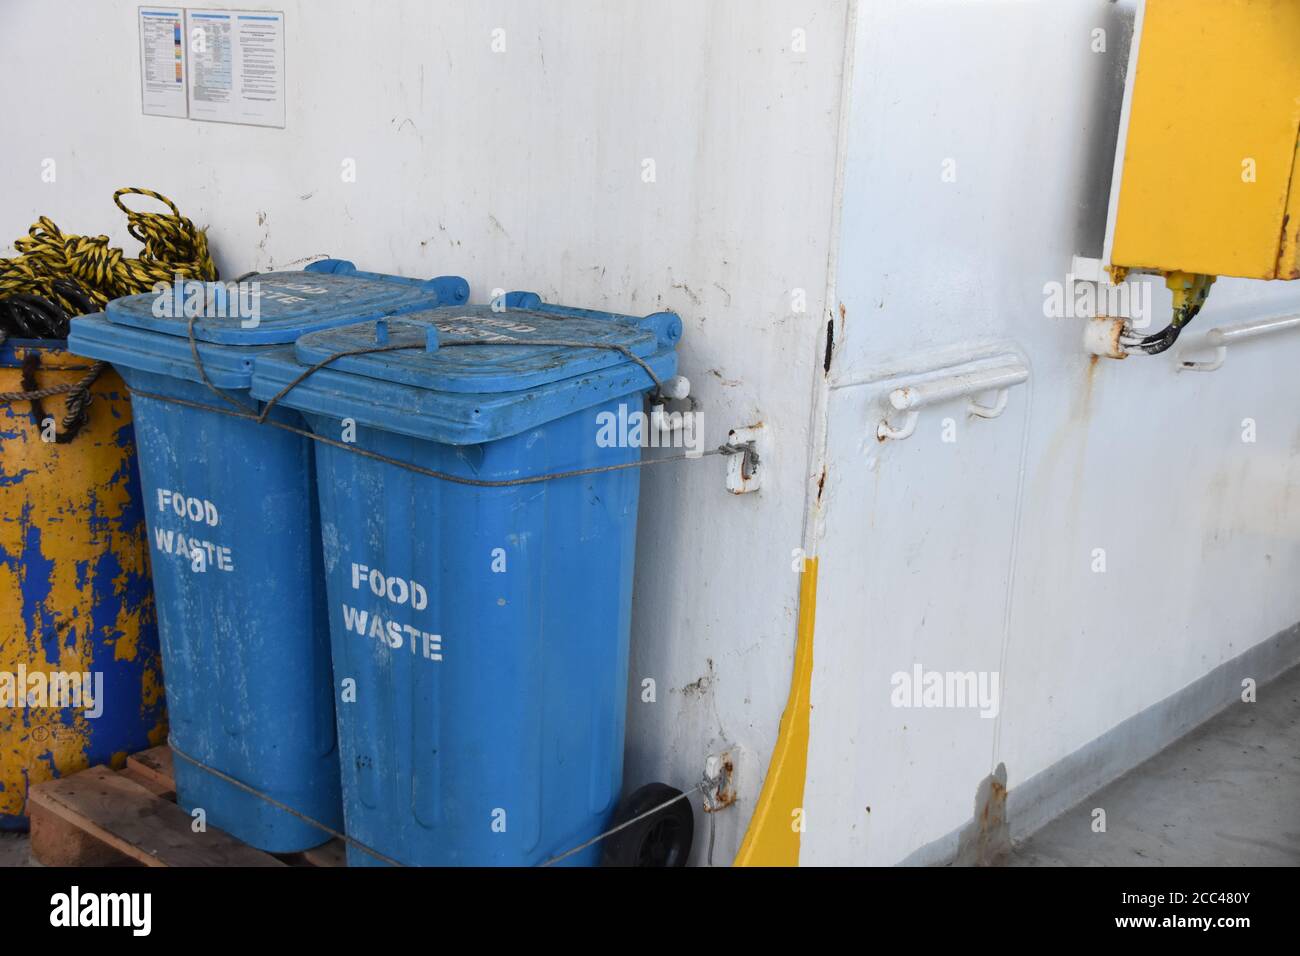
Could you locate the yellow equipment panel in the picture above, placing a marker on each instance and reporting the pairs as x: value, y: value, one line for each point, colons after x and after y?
x: 1210, y: 176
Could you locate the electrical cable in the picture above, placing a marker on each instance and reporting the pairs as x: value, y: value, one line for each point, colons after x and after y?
x: 1189, y: 291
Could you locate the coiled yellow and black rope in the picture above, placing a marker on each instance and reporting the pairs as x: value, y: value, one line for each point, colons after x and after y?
x: 56, y: 277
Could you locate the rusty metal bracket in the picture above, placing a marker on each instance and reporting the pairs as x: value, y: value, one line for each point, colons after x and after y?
x: 745, y: 471
x: 1110, y: 327
x: 719, y: 784
x: 1104, y: 336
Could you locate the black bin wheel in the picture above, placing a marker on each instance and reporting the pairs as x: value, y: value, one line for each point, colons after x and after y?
x: 661, y: 839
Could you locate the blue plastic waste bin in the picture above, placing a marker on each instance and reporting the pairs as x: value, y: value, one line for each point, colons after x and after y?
x: 485, y: 628
x: 235, y: 546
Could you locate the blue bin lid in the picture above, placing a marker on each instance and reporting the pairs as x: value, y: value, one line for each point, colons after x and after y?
x: 291, y: 303
x: 479, y: 368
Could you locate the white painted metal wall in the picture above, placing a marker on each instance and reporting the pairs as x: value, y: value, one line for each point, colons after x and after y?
x: 524, y: 169
x: 978, y: 555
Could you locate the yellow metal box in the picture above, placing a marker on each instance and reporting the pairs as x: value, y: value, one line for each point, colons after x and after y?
x: 1208, y: 169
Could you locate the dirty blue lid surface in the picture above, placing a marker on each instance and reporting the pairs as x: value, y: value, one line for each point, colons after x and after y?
x: 478, y: 368
x: 453, y: 418
x: 289, y: 304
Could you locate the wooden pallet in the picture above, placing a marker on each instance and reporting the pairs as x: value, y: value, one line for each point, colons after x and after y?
x: 129, y: 817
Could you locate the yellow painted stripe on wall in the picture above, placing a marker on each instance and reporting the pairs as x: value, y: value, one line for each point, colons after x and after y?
x: 773, y: 838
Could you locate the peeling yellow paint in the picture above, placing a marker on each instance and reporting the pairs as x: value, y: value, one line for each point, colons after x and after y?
x: 1288, y: 259
x: 151, y: 694
x: 73, y: 581
x: 127, y: 646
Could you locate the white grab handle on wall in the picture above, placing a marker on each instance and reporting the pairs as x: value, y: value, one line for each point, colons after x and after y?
x: 1219, y: 339
x: 969, y: 380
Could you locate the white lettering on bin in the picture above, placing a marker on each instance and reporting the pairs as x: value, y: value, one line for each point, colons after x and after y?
x: 200, y: 555
x: 400, y: 592
x: 392, y: 634
x: 199, y: 510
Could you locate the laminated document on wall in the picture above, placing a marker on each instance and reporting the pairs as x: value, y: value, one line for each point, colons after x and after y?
x: 236, y: 66
x: 162, y: 61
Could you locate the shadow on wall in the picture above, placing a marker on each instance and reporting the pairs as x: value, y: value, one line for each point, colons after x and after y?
x: 1101, y: 131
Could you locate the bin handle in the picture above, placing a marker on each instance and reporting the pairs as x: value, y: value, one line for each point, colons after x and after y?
x: 451, y: 290
x: 665, y: 326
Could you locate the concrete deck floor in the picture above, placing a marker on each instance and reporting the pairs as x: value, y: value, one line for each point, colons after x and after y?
x: 1227, y: 794
x: 15, y: 851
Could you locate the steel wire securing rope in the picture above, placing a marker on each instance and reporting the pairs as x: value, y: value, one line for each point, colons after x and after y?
x: 56, y: 277
x: 247, y: 788
x: 240, y: 410
x: 627, y: 823
x: 354, y: 842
